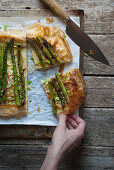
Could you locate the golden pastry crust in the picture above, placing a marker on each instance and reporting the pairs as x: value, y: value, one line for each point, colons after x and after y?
x: 75, y: 84
x: 13, y: 111
x: 18, y: 36
x: 55, y: 37
x: 8, y: 110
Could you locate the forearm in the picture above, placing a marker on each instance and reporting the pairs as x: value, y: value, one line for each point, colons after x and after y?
x: 52, y: 160
x: 65, y: 138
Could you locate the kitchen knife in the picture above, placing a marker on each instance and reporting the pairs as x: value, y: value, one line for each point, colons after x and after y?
x: 77, y: 35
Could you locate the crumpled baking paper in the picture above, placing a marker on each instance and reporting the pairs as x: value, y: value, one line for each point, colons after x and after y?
x: 37, y: 99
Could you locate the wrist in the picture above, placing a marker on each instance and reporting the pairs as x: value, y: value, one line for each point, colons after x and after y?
x: 52, y: 159
x: 57, y: 152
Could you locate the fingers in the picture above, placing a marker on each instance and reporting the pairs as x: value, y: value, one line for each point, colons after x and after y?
x: 79, y: 121
x: 73, y: 116
x: 69, y: 126
x: 72, y: 122
x: 62, y: 120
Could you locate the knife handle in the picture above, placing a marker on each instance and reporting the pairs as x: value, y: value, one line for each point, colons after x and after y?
x: 56, y: 8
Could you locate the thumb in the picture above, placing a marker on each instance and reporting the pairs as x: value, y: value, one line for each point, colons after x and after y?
x: 62, y: 120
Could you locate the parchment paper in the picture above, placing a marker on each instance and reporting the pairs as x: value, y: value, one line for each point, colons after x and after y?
x: 36, y: 96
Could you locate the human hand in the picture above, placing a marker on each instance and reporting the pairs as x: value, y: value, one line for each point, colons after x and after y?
x: 68, y: 134
x: 66, y: 137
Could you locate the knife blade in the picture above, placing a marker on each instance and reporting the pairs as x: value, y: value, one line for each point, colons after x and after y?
x: 77, y: 35
x: 85, y: 42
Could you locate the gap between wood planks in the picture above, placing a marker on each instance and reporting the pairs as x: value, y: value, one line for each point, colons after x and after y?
x: 25, y: 142
x: 34, y: 142
x: 98, y: 107
x: 97, y: 75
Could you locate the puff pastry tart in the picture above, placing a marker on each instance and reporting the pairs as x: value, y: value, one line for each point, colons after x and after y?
x: 65, y: 91
x: 48, y: 44
x: 13, y: 74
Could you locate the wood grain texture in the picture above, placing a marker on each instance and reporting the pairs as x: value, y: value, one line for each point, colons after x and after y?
x: 99, y: 126
x: 23, y: 132
x: 99, y: 130
x: 34, y: 4
x: 31, y: 156
x: 106, y: 44
x: 99, y: 92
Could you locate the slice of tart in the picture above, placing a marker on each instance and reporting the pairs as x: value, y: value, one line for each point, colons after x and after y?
x: 13, y: 74
x: 65, y: 91
x: 48, y: 45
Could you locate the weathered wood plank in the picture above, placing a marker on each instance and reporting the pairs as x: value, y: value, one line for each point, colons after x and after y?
x: 99, y: 92
x: 105, y: 43
x: 99, y: 126
x: 21, y: 131
x: 98, y: 20
x: 25, y: 141
x: 31, y: 156
x: 35, y: 4
x: 99, y: 130
x: 98, y: 82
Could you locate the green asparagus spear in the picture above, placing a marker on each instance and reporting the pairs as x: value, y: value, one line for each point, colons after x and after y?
x: 51, y: 50
x: 60, y: 82
x: 14, y: 73
x: 5, y: 72
x: 52, y: 97
x: 58, y: 92
x: 37, y: 52
x: 45, y: 50
x: 1, y: 69
x: 21, y: 72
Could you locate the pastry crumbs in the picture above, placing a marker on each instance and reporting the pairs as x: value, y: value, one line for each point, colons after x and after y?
x: 38, y: 109
x: 91, y: 52
x: 49, y: 20
x: 86, y: 16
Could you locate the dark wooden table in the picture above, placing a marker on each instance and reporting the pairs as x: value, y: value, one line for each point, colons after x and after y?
x: 21, y: 147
